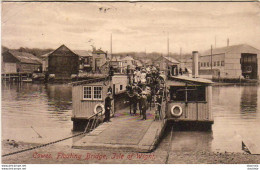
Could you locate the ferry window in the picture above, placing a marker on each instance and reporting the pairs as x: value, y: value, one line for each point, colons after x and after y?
x: 222, y: 63
x: 97, y: 93
x: 87, y: 92
x: 194, y: 93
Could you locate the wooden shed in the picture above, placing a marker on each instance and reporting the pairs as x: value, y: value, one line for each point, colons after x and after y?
x: 62, y: 63
x: 15, y: 61
x: 88, y: 94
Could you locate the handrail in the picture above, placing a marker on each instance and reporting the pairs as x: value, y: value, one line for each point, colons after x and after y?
x: 94, y: 122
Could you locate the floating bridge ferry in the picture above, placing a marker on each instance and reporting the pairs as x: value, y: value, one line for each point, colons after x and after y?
x: 187, y: 99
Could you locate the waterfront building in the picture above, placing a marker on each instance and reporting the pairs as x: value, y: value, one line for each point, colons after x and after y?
x: 62, y: 63
x: 231, y: 62
x: 86, y: 59
x: 99, y: 58
x: 164, y: 63
x: 14, y: 61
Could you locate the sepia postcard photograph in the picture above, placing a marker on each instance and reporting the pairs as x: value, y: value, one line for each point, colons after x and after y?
x: 130, y: 82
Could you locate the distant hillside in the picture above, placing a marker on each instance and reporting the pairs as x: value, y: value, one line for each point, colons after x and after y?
x: 153, y: 55
x: 35, y: 51
x: 136, y: 55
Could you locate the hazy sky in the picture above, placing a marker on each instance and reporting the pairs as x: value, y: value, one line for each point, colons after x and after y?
x: 135, y: 26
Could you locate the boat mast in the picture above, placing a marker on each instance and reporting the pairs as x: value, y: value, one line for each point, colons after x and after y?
x: 168, y: 48
x: 111, y: 46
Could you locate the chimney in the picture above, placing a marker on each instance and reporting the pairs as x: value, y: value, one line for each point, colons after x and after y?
x: 195, y: 64
x: 93, y: 48
x: 227, y: 42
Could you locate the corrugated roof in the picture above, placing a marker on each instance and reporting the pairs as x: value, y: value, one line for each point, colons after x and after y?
x: 63, y: 51
x: 46, y: 55
x: 172, y: 60
x: 198, y: 80
x: 82, y: 53
x: 221, y: 50
x: 24, y: 57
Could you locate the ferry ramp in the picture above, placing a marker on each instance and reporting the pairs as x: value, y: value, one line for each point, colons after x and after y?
x: 124, y: 132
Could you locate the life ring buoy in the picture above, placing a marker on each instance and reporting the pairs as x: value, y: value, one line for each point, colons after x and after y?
x: 102, y: 107
x: 130, y: 95
x: 176, y: 111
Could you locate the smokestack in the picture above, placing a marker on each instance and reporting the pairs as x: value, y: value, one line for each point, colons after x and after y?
x: 227, y: 42
x: 195, y: 64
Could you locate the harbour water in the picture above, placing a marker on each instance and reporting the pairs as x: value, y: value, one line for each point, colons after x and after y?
x: 38, y: 113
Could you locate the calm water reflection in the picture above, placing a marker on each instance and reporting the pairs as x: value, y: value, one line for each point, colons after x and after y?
x: 47, y: 108
x: 236, y: 113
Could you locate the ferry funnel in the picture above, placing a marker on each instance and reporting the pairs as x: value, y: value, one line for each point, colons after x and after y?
x: 195, y: 64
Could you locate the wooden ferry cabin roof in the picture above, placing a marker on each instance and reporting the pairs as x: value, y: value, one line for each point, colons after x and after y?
x: 96, y: 80
x: 186, y: 79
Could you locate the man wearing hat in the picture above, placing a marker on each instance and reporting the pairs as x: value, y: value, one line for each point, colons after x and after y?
x: 158, y: 102
x: 108, y: 101
x: 143, y: 103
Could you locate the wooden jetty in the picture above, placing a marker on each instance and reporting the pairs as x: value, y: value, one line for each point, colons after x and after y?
x: 16, y: 77
x: 125, y: 132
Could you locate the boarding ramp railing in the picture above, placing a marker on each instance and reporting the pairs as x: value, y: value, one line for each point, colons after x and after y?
x: 93, y: 121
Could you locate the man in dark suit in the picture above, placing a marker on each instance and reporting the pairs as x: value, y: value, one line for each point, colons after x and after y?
x: 108, y: 105
x: 143, y: 103
x: 159, y: 103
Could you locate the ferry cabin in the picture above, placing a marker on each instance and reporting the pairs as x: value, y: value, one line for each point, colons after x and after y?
x: 88, y: 98
x: 189, y: 100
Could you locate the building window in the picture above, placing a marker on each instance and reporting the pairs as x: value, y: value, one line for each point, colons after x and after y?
x: 218, y: 63
x: 222, y: 63
x: 121, y: 87
x: 208, y: 64
x: 92, y: 93
x: 188, y: 94
x: 204, y: 64
x: 214, y: 63
x: 87, y: 92
x: 97, y: 95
